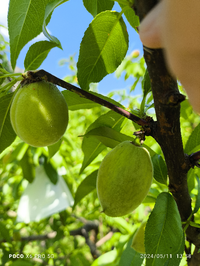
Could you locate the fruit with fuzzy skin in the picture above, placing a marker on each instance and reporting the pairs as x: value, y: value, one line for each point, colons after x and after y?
x: 39, y: 114
x: 138, y: 239
x: 124, y: 179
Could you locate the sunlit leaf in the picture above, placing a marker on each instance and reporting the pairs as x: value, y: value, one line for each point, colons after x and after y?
x: 102, y: 49
x: 51, y: 172
x: 4, y: 232
x: 131, y: 16
x: 21, y: 262
x: 174, y: 259
x: 193, y: 142
x: 76, y: 102
x: 37, y: 54
x: 91, y: 146
x: 97, y: 6
x: 28, y: 167
x: 48, y: 12
x: 130, y: 257
x: 7, y: 134
x: 160, y: 169
x: 108, y: 136
x: 54, y: 148
x: 107, y: 259
x: 86, y: 186
x: 25, y: 21
x: 164, y: 233
x: 197, y: 205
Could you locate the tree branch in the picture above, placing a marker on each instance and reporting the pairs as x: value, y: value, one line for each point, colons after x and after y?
x: 194, y: 159
x: 167, y: 131
x: 43, y: 75
x: 83, y: 231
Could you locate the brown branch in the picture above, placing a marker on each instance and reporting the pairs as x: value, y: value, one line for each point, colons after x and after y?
x: 194, y: 159
x: 167, y: 131
x: 43, y: 75
x: 83, y: 231
x: 104, y: 239
x: 50, y: 235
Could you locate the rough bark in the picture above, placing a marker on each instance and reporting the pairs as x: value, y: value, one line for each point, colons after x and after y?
x: 167, y: 130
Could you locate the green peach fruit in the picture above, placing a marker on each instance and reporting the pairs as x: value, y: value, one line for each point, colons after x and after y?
x: 124, y: 179
x: 138, y: 239
x: 39, y: 114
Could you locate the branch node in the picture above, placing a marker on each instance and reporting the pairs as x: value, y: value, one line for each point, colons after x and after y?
x: 176, y: 98
x: 194, y: 159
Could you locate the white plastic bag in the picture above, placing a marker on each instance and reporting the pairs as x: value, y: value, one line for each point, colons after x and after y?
x: 42, y: 198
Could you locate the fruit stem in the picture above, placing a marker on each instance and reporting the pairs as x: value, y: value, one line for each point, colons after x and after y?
x: 44, y: 75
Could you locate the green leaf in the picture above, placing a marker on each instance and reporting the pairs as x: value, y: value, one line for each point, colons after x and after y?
x: 146, y: 83
x: 174, y: 259
x: 160, y: 169
x: 75, y: 102
x: 95, y: 7
x: 108, y: 136
x: 102, y: 49
x: 107, y: 259
x: 7, y: 134
x: 86, y: 186
x: 54, y: 148
x: 24, y: 23
x: 146, y: 87
x: 20, y: 262
x: 51, y: 172
x: 197, y: 205
x: 193, y: 142
x: 131, y: 16
x: 194, y: 224
x: 37, y: 54
x: 124, y: 226
x: 163, y: 233
x: 5, y: 255
x: 130, y: 257
x: 91, y: 146
x: 4, y: 232
x: 48, y: 12
x: 78, y: 259
x: 18, y: 152
x: 1, y: 73
x: 27, y: 166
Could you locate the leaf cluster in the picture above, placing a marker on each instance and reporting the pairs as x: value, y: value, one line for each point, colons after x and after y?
x: 81, y: 234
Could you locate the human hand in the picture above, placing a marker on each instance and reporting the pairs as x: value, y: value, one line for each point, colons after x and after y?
x: 174, y: 25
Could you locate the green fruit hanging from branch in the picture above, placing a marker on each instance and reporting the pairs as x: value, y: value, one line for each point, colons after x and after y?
x: 39, y: 114
x: 124, y: 179
x: 138, y: 239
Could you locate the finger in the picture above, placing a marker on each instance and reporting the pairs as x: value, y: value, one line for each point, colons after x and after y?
x: 149, y: 29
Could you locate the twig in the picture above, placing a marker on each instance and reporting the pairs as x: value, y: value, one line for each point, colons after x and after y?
x: 83, y: 231
x: 104, y: 239
x: 43, y: 75
x: 50, y: 235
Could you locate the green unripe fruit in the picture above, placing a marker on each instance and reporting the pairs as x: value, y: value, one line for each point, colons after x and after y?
x: 124, y: 179
x: 138, y: 239
x: 39, y: 114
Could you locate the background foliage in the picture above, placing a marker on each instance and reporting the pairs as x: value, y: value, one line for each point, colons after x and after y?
x: 81, y: 234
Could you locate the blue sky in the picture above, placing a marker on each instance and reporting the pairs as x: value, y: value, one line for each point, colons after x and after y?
x: 68, y: 24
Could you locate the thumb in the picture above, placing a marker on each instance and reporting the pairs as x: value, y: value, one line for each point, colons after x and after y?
x: 149, y: 29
